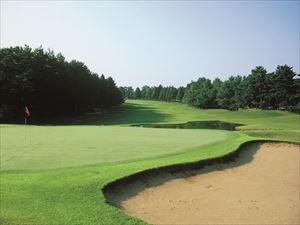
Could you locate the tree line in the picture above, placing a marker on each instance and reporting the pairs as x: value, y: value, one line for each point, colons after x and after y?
x: 161, y: 93
x: 49, y: 85
x: 275, y: 90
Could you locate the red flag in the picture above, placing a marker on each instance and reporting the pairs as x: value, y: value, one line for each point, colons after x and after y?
x: 27, y: 113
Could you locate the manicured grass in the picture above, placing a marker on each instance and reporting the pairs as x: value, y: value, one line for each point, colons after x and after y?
x: 55, y: 177
x: 45, y: 147
x: 272, y: 124
x: 73, y: 195
x: 259, y: 123
x: 254, y: 119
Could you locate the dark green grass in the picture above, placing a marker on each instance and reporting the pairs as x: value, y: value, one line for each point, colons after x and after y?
x: 58, y: 179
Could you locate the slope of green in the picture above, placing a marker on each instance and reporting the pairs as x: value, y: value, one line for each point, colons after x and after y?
x: 56, y: 175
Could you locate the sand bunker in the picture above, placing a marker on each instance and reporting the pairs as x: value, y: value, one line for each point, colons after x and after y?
x: 260, y: 187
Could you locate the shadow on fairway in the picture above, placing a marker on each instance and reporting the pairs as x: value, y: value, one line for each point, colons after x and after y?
x: 118, y: 193
x: 128, y: 113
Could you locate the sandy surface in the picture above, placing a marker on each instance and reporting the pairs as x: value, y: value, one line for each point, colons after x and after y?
x: 261, y: 187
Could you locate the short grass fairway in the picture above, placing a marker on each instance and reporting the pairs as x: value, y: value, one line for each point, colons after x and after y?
x: 55, y: 174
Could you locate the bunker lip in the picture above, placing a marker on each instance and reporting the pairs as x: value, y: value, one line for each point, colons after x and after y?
x: 125, y: 188
x: 119, y: 184
x: 207, y: 124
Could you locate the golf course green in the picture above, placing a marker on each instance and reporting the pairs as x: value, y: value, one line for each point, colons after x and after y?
x: 53, y: 174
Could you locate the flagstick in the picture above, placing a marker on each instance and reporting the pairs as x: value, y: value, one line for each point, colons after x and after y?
x: 0, y: 138
x: 25, y: 121
x: 26, y: 115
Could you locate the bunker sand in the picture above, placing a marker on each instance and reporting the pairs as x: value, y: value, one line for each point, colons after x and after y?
x: 260, y: 187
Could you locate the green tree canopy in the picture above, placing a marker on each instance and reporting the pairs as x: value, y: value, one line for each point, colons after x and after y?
x: 49, y: 85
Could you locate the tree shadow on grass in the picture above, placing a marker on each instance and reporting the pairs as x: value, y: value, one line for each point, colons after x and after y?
x: 119, y: 193
x: 128, y: 113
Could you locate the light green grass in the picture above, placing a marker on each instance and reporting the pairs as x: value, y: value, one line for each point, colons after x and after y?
x: 55, y: 177
x: 171, y: 112
x: 73, y: 195
x: 272, y: 124
x: 44, y: 147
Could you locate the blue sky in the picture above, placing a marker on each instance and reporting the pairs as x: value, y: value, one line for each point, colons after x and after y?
x: 159, y: 42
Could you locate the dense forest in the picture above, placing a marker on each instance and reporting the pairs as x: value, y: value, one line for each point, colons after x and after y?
x: 260, y: 89
x: 49, y: 85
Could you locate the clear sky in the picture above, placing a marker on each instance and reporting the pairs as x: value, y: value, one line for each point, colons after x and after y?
x: 159, y: 42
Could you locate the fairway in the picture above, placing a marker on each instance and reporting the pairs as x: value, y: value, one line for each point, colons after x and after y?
x: 254, y: 119
x: 55, y: 175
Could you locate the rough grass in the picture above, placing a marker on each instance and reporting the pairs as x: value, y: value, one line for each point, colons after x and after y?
x: 62, y: 187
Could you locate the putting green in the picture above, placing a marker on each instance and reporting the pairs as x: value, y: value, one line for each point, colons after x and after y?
x: 43, y: 147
